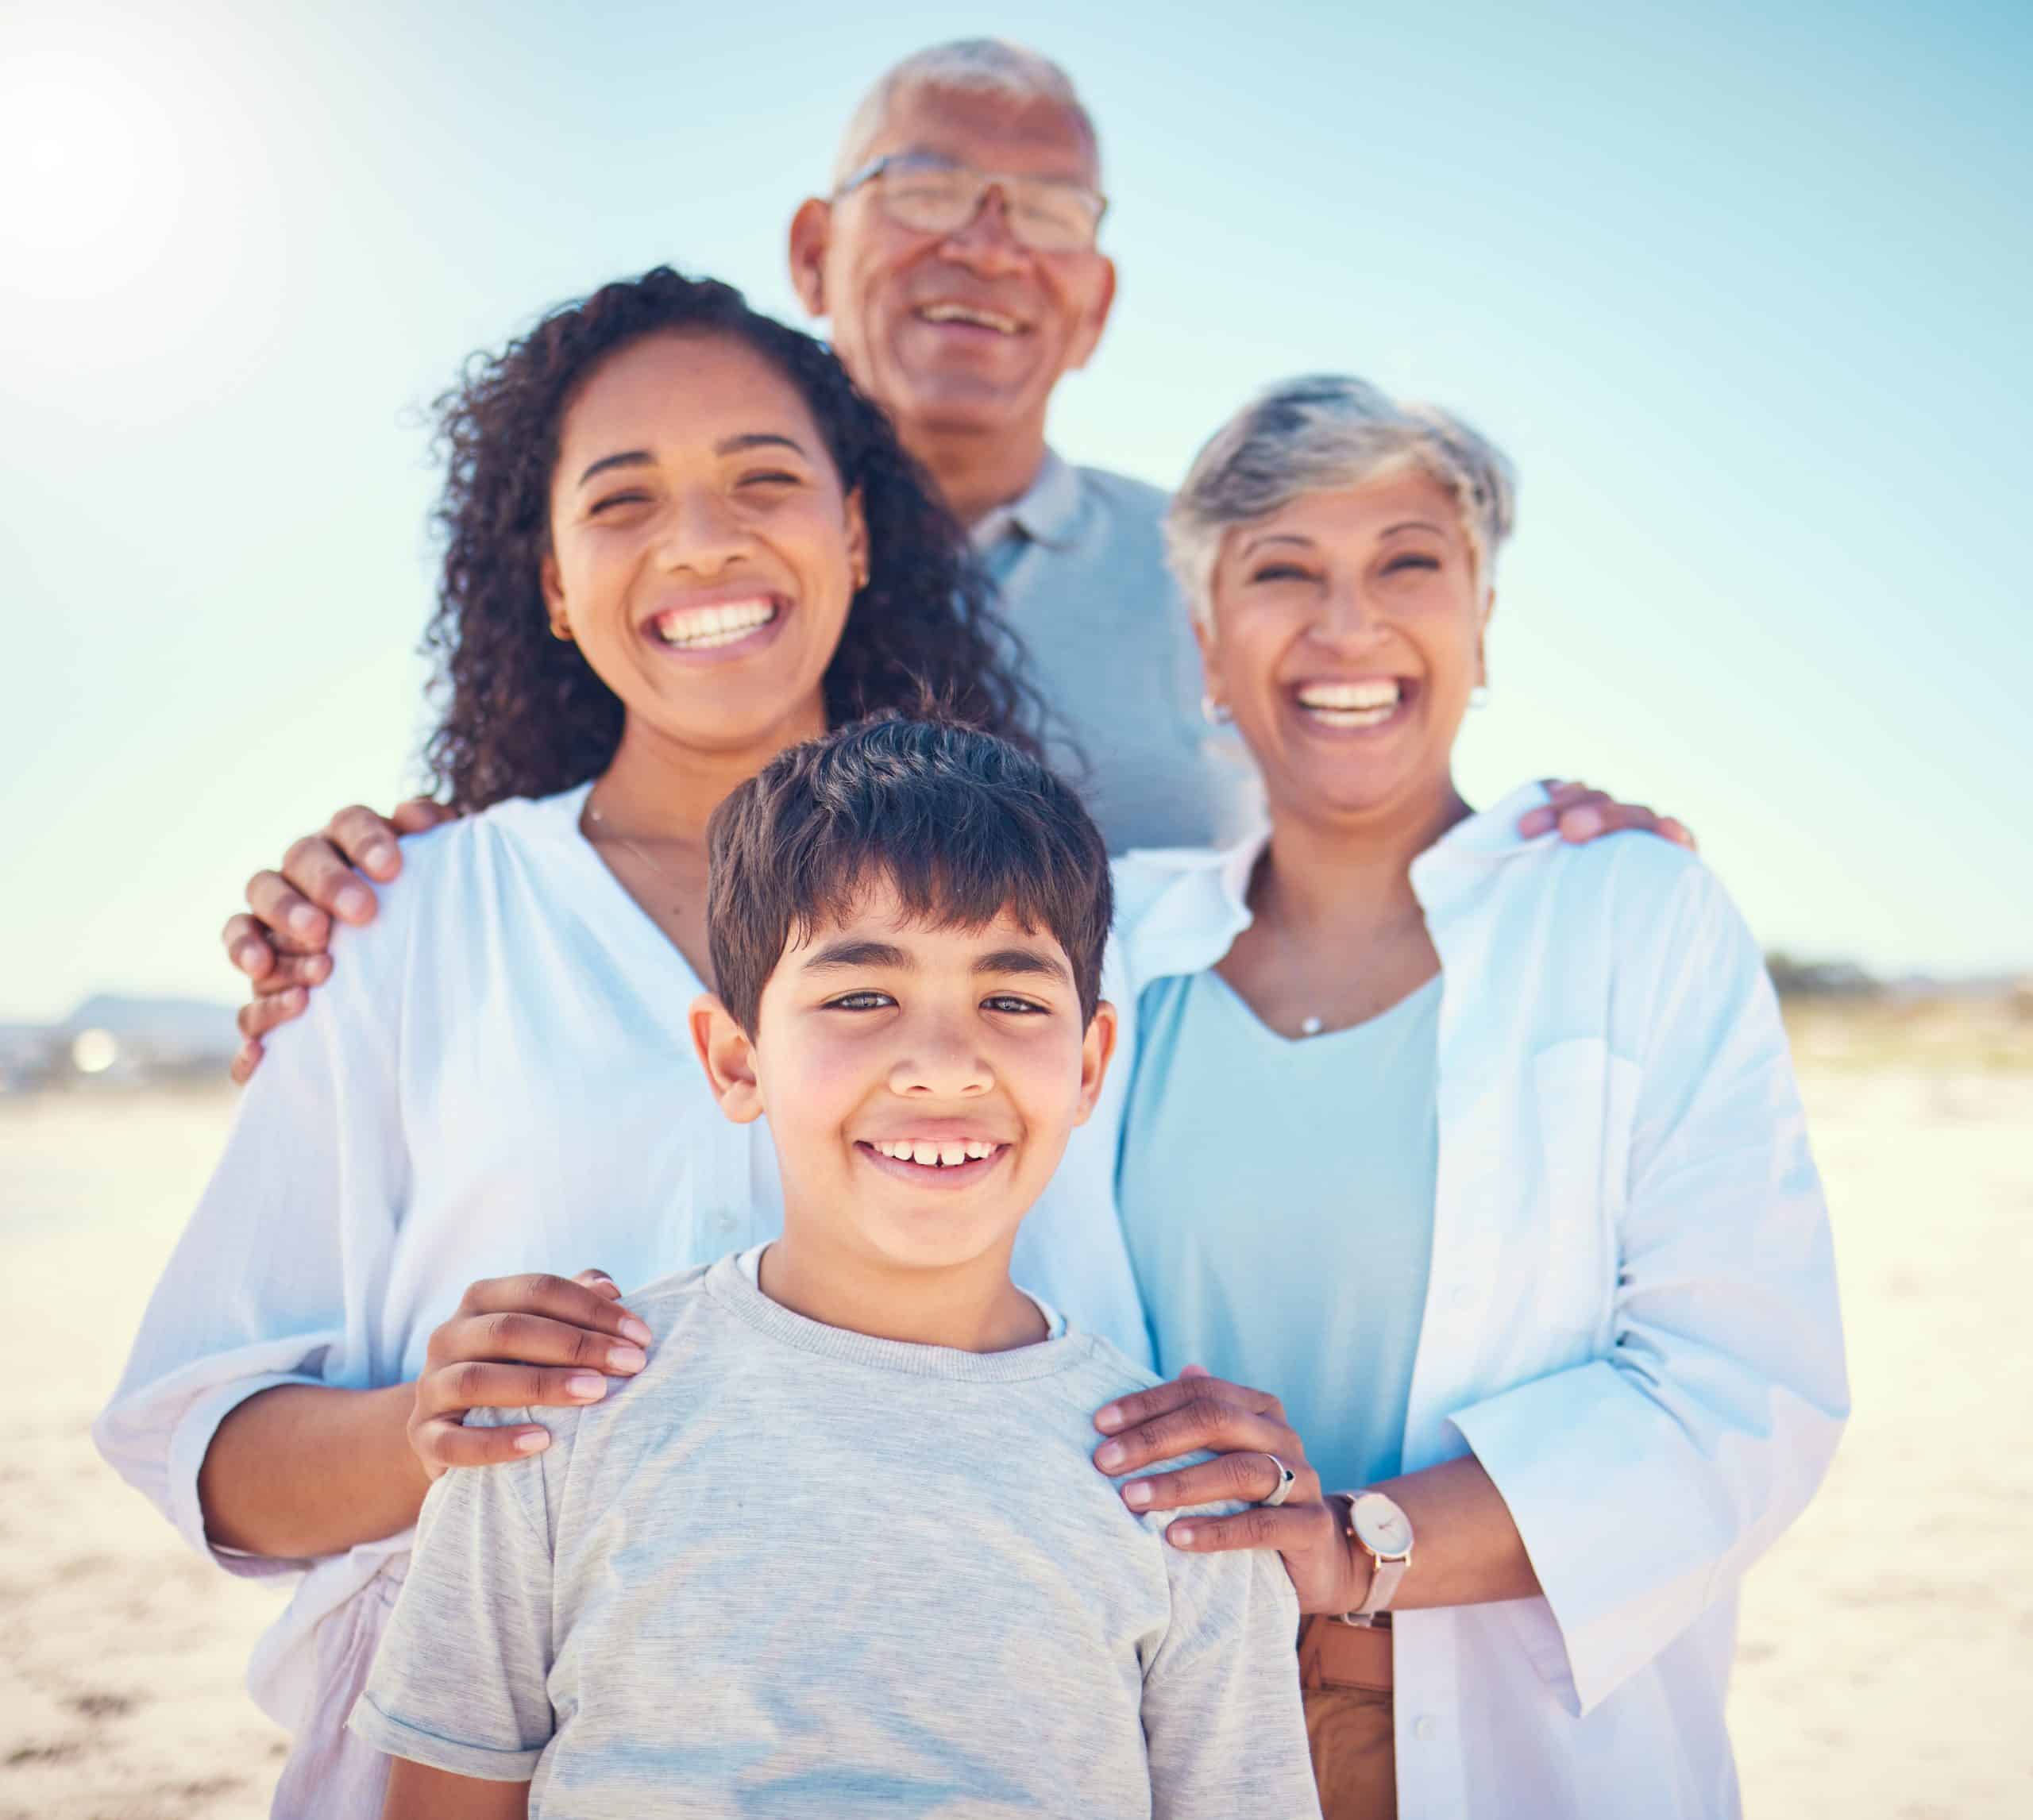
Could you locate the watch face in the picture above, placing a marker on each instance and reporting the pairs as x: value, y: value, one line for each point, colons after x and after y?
x: 1380, y: 1526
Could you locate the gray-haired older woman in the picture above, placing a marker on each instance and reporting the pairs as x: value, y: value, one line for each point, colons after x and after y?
x: 1474, y: 1159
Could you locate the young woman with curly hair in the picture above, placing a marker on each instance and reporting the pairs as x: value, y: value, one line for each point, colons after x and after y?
x: 678, y: 542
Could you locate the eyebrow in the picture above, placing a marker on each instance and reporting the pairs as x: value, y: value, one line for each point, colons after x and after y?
x: 1415, y: 524
x: 845, y: 956
x: 838, y: 955
x: 1275, y: 537
x: 726, y: 446
x: 627, y: 458
x: 1024, y: 961
x: 758, y: 439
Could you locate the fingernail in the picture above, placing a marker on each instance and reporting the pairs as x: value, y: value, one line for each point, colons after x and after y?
x: 319, y: 965
x: 535, y: 1440
x: 588, y: 1387
x: 1108, y: 1420
x: 294, y: 998
x: 303, y: 920
x: 379, y: 854
x: 1136, y: 1496
x: 633, y: 1329
x: 1180, y: 1535
x: 1111, y: 1456
x: 353, y: 901
x: 627, y: 1357
x: 1536, y: 823
x: 1585, y: 823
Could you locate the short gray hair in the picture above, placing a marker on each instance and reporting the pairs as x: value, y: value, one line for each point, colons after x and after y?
x: 964, y: 65
x: 1318, y: 434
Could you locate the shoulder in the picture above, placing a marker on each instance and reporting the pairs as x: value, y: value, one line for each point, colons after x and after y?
x: 1614, y: 891
x: 440, y: 857
x: 1643, y: 898
x: 674, y: 1309
x: 1143, y: 875
x: 451, y: 878
x: 664, y: 1305
x: 1134, y: 501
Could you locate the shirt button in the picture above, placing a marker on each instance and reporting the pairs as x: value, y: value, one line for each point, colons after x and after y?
x: 1423, y: 1728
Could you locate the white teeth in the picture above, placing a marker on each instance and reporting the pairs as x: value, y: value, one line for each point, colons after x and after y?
x: 963, y: 313
x: 1351, y: 704
x: 1355, y: 695
x: 935, y: 1155
x: 700, y: 628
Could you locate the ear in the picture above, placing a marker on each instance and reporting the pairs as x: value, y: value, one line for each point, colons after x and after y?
x: 1210, y: 658
x: 1095, y: 319
x: 728, y: 1056
x: 1096, y: 1048
x: 553, y: 584
x: 857, y: 539
x: 811, y: 234
x: 1482, y: 632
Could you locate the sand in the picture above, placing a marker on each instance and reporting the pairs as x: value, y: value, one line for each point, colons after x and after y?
x: 1886, y: 1667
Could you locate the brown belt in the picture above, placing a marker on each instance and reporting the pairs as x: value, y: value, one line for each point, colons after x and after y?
x: 1334, y: 1654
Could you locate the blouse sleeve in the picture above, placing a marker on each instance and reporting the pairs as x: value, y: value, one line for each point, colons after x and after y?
x: 1645, y: 1483
x: 301, y: 1207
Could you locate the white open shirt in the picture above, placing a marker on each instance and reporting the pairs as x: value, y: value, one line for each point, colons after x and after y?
x: 1631, y: 1316
x: 498, y: 1078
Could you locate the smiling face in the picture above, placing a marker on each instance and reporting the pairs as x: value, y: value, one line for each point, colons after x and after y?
x: 703, y: 552
x: 967, y: 332
x: 920, y: 1083
x: 1345, y: 633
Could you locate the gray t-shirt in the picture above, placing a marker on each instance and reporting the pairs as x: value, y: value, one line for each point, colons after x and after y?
x: 788, y: 1569
x: 1079, y: 563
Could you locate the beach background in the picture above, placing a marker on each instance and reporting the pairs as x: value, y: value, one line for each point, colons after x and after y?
x: 1886, y: 1662
x: 1741, y: 288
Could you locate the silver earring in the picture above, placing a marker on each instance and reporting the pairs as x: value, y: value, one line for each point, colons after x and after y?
x: 1479, y: 697
x: 1214, y: 713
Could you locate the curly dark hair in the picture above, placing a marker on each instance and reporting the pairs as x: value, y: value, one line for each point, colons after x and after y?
x: 523, y: 715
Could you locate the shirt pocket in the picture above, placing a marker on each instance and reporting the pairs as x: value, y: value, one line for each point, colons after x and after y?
x: 1585, y: 1098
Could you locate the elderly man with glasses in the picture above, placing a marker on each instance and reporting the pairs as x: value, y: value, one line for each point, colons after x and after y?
x: 956, y: 262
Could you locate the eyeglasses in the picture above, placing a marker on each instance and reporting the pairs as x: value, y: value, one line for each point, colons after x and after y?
x: 933, y: 195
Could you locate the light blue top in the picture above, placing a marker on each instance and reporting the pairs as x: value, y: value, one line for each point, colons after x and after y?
x: 1078, y: 562
x: 1278, y: 1198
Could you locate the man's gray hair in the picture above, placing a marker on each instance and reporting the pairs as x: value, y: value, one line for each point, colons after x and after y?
x: 966, y: 66
x: 1319, y: 434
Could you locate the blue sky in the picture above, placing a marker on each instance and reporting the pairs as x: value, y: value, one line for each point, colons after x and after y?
x: 1743, y: 293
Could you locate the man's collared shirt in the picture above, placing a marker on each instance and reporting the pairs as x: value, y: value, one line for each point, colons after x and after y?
x: 1078, y: 562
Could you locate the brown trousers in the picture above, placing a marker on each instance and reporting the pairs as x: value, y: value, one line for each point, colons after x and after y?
x: 1348, y: 1720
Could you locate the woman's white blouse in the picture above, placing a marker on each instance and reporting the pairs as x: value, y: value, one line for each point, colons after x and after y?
x: 1630, y: 1317
x: 498, y: 1078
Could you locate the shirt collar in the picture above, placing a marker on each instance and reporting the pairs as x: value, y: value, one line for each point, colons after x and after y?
x: 1196, y: 914
x: 1048, y: 511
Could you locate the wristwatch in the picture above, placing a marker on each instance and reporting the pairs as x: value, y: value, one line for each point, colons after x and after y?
x: 1384, y: 1532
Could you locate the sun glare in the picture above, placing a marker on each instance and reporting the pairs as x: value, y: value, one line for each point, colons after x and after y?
x: 97, y: 176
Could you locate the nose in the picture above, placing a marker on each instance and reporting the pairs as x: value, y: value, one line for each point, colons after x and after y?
x: 1348, y: 619
x: 940, y: 1060
x: 702, y: 532
x: 985, y: 243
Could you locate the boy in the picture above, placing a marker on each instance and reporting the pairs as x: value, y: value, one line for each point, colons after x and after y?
x: 839, y: 1549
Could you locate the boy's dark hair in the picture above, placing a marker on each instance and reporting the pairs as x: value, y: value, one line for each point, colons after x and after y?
x: 964, y: 825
